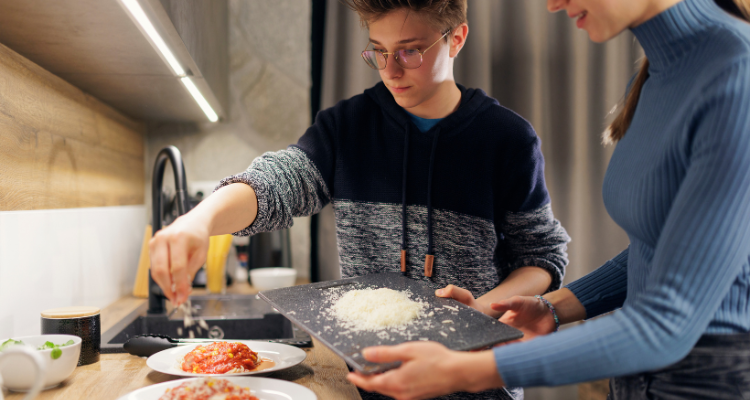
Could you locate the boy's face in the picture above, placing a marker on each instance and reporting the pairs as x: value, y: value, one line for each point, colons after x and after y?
x: 401, y: 29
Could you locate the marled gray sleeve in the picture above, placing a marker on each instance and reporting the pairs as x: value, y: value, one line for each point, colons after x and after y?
x: 536, y: 238
x: 287, y: 185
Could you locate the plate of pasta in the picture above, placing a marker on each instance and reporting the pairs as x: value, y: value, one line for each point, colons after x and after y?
x: 225, y: 388
x: 226, y: 358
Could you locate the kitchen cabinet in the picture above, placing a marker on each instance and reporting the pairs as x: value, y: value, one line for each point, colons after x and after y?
x: 95, y: 46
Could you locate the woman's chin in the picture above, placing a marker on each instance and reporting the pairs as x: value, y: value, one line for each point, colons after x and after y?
x: 600, y: 36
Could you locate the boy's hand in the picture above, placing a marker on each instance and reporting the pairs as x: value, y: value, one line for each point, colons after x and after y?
x: 177, y: 252
x: 464, y: 296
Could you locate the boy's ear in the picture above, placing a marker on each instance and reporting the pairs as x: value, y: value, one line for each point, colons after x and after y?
x: 458, y: 39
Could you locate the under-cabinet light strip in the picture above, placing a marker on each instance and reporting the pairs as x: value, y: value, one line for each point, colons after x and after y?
x: 200, y: 99
x: 140, y: 16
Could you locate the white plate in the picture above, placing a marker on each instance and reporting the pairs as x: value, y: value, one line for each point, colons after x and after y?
x: 262, y: 388
x: 284, y: 356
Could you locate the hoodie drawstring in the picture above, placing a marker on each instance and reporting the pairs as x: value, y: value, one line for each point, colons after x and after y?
x: 430, y: 257
x: 403, y: 202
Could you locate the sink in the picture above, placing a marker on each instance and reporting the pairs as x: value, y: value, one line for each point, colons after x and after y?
x: 227, y: 316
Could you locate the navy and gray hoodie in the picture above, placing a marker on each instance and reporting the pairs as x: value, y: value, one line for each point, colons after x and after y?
x: 469, y: 192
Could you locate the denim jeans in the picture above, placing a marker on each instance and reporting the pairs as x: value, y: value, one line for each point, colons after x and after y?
x: 717, y: 368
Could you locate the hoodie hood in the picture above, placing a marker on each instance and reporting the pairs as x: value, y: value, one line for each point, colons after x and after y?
x: 473, y: 102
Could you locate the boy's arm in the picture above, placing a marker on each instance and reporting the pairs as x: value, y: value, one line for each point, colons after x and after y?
x: 531, y: 234
x: 535, y: 241
x: 179, y: 250
x: 286, y: 184
x: 275, y: 188
x: 295, y: 182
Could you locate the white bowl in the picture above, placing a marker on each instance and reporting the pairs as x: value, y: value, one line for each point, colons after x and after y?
x: 18, y: 372
x: 272, y: 278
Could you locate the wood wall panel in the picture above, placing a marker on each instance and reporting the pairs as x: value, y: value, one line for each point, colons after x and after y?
x: 60, y: 147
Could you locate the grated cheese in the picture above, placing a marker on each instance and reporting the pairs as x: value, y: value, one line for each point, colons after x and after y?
x: 376, y: 309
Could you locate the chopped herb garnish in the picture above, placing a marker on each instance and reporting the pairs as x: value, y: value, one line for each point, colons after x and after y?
x: 56, y: 352
x: 10, y: 342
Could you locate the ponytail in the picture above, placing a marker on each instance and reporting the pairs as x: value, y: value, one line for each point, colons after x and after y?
x: 616, y: 130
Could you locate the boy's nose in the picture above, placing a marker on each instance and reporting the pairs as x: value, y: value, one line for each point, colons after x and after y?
x: 392, y: 68
x: 555, y: 5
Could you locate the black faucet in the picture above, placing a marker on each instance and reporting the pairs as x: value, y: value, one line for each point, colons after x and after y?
x: 156, y: 296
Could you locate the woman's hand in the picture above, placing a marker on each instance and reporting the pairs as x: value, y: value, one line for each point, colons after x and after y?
x: 427, y: 370
x: 527, y: 314
x: 463, y: 296
x: 177, y: 252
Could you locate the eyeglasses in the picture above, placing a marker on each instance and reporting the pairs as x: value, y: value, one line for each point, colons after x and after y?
x: 407, y: 58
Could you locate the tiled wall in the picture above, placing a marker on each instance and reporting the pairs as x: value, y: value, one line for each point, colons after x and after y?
x: 68, y: 257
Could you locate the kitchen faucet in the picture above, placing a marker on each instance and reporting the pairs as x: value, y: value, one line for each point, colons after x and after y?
x: 156, y: 296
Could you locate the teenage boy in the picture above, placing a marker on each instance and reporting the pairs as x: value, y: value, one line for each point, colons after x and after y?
x: 425, y: 176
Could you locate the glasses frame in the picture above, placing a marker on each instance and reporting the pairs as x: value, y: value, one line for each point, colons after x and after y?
x: 395, y: 54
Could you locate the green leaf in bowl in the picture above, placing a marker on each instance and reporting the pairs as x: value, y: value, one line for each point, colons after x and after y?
x: 10, y: 342
x: 47, y: 345
x: 56, y: 353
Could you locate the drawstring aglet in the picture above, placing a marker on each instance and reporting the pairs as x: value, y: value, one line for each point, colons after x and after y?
x: 428, y: 260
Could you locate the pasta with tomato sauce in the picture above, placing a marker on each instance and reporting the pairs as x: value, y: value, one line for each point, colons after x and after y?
x: 220, y: 358
x: 208, y: 389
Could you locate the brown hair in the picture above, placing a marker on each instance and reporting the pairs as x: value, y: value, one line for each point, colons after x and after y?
x: 616, y: 130
x: 441, y: 14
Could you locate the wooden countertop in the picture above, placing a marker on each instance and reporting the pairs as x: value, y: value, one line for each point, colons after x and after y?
x: 115, y: 375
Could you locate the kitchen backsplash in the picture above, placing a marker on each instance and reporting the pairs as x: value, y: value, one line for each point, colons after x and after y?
x: 65, y: 257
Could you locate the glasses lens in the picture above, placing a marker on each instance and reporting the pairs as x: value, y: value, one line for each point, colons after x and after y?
x: 374, y: 59
x: 409, y: 58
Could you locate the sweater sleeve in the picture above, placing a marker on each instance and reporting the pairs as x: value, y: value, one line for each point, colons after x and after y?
x: 291, y: 183
x: 532, y: 235
x: 605, y: 289
x: 703, y: 247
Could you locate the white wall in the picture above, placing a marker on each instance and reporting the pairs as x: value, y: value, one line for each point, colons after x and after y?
x: 68, y: 257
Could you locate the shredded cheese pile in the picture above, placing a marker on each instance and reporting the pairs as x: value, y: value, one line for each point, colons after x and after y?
x: 376, y: 309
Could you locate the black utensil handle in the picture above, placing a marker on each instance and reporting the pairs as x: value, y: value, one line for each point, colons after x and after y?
x: 146, y: 345
x: 294, y: 342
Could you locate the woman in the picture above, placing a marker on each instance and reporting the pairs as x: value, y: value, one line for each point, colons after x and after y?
x: 679, y: 184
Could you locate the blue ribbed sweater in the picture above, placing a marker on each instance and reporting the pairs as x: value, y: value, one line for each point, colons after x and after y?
x: 679, y: 184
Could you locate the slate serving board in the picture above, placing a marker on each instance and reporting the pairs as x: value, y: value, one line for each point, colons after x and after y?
x: 453, y: 324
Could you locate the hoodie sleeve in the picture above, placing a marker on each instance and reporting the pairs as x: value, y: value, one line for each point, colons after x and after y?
x: 291, y: 183
x: 533, y: 237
